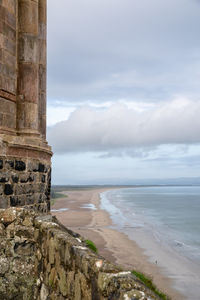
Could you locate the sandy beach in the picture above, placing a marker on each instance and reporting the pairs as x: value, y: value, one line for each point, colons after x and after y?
x: 84, y: 216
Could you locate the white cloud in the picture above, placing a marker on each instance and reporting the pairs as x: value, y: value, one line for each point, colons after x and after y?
x: 121, y: 128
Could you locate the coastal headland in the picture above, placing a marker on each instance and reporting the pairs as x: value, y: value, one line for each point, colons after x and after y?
x: 79, y: 209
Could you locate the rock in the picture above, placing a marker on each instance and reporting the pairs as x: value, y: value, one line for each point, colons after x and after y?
x: 4, y: 265
x: 2, y: 230
x: 44, y: 293
x: 62, y: 282
x: 8, y: 216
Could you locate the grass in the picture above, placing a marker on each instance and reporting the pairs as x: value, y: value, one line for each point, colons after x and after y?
x: 91, y: 245
x: 56, y: 195
x: 148, y: 282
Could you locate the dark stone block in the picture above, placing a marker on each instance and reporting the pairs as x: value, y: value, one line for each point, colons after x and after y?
x: 8, y: 189
x: 48, y: 205
x: 15, y: 178
x: 20, y: 165
x: 31, y: 178
x: 14, y: 201
x: 1, y: 163
x: 3, y: 179
x: 43, y: 179
x: 41, y: 199
x: 41, y: 168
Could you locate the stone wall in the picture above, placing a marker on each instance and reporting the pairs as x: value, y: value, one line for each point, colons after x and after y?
x: 25, y: 157
x: 25, y: 182
x: 40, y: 259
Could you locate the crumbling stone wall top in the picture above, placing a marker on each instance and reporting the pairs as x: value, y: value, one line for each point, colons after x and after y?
x: 41, y: 259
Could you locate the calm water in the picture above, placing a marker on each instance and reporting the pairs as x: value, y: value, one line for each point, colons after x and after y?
x: 172, y: 213
x: 165, y: 222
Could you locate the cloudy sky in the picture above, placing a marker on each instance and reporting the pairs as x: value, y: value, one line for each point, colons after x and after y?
x: 123, y: 90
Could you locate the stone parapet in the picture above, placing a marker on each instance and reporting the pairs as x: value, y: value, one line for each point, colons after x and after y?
x: 40, y: 259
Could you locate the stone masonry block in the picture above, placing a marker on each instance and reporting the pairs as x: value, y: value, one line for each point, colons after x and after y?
x: 30, y: 199
x: 8, y: 84
x: 8, y: 71
x: 7, y: 107
x: 24, y: 178
x: 42, y: 52
x: 8, y: 58
x: 3, y: 202
x: 9, y: 5
x: 8, y: 189
x: 33, y: 166
x: 42, y: 103
x: 1, y: 189
x: 1, y: 163
x: 9, y: 164
x: 29, y: 119
x: 9, y: 121
x: 16, y: 201
x: 28, y: 16
x: 1, y: 119
x: 4, y: 177
x: 28, y: 82
x: 7, y: 30
x: 28, y: 48
x: 8, y: 44
x: 10, y: 19
x: 42, y: 31
x: 20, y: 165
x: 42, y: 11
x: 42, y: 78
x: 19, y: 189
x: 15, y: 178
x: 41, y: 167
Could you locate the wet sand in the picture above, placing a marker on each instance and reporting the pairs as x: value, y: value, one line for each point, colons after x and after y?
x: 85, y: 216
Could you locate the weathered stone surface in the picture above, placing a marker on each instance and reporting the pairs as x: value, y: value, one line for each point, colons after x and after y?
x: 44, y: 293
x: 40, y: 260
x: 22, y: 108
x: 8, y: 216
x: 19, y: 186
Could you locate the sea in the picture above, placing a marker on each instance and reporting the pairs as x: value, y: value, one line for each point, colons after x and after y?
x: 165, y: 222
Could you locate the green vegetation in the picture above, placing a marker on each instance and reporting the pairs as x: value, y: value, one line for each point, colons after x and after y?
x: 148, y: 282
x: 56, y: 195
x: 91, y: 245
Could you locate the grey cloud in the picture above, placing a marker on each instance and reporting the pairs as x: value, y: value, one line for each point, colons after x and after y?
x: 152, y: 46
x: 119, y: 129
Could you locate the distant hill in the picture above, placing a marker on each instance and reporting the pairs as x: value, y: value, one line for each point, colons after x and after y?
x: 156, y: 181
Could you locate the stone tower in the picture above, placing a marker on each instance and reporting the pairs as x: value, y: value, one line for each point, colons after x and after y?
x: 25, y: 157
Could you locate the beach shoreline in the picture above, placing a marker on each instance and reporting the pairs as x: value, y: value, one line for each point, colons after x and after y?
x: 84, y: 215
